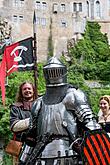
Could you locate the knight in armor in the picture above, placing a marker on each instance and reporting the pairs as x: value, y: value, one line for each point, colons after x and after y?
x: 54, y: 119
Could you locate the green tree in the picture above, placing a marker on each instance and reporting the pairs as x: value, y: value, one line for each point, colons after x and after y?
x: 91, y: 51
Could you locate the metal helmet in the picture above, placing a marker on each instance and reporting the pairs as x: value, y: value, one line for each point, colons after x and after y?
x: 55, y: 72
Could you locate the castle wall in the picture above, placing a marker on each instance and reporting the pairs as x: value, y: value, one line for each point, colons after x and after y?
x: 62, y: 20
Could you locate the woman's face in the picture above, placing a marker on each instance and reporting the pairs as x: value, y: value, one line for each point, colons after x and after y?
x: 104, y: 106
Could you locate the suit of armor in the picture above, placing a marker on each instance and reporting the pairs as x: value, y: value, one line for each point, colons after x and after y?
x: 56, y: 113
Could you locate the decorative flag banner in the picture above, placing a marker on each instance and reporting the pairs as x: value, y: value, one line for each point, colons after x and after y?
x: 96, y: 148
x: 17, y: 57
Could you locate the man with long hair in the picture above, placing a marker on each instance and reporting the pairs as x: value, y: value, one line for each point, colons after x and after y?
x: 21, y: 111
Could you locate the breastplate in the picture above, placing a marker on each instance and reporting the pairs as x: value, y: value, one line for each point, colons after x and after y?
x: 50, y: 120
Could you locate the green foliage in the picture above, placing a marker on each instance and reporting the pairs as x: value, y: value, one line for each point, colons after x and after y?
x: 4, y: 123
x: 41, y: 81
x: 4, y: 120
x: 92, y: 53
x: 75, y: 74
x: 93, y: 33
x: 7, y: 160
x: 103, y: 70
x: 83, y: 51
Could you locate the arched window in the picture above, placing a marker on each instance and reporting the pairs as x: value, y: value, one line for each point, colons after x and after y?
x: 98, y: 9
x: 87, y: 9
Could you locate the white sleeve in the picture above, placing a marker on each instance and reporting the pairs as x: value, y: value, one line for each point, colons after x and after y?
x: 21, y: 125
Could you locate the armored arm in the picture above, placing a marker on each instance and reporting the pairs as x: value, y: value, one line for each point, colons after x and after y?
x: 77, y: 101
x: 34, y: 113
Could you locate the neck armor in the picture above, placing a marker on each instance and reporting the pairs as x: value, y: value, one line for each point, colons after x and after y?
x: 55, y: 94
x: 55, y: 72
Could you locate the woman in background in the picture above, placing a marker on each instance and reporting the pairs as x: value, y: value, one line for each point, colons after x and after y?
x: 104, y: 113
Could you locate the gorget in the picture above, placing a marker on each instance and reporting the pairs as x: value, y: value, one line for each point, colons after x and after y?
x: 55, y: 95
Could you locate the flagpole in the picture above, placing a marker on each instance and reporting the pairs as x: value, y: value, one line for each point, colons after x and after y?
x: 35, y: 56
